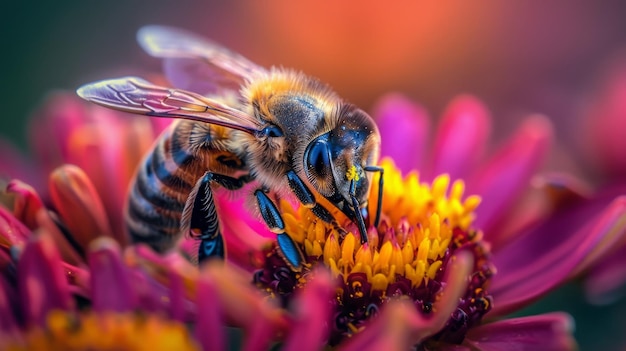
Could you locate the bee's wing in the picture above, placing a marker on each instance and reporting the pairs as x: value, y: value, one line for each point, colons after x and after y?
x: 136, y: 95
x: 194, y: 63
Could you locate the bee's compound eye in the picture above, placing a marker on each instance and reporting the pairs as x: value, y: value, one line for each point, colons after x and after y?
x: 272, y: 131
x: 318, y: 158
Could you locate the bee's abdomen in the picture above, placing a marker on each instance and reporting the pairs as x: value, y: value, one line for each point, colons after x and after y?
x: 158, y: 195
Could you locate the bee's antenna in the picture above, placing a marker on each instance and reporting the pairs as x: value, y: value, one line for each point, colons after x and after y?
x: 379, y: 205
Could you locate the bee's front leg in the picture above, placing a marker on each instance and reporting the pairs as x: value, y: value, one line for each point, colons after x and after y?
x: 288, y: 249
x: 199, y: 218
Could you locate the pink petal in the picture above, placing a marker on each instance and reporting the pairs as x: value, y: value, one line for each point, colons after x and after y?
x: 52, y: 125
x: 12, y: 231
x: 548, y: 193
x: 68, y: 251
x: 507, y: 174
x: 42, y: 283
x: 400, y: 326
x: 604, y: 284
x: 309, y: 328
x: 547, y: 332
x: 209, y: 327
x: 177, y: 297
x: 546, y: 256
x: 79, y: 205
x: 242, y: 304
x: 404, y: 128
x: 244, y: 233
x: 27, y: 202
x: 111, y: 285
x: 461, y: 137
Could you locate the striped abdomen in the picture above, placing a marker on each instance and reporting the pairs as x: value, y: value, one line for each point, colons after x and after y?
x: 167, y: 175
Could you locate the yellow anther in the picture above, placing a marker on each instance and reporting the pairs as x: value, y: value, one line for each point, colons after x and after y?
x: 407, y: 252
x: 435, y: 224
x: 364, y: 255
x: 423, y: 250
x: 379, y: 282
x: 433, y: 269
x: 440, y: 186
x: 352, y: 174
x: 293, y: 228
x: 331, y: 249
x: 317, y: 249
x: 320, y: 231
x: 347, y: 249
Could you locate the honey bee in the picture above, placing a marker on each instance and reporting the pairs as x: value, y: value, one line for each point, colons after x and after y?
x: 287, y: 132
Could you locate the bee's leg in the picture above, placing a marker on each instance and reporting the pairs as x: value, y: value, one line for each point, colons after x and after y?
x: 199, y: 218
x: 306, y: 197
x: 379, y: 205
x: 290, y: 252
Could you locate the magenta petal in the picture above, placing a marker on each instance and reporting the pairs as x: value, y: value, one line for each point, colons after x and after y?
x: 546, y: 256
x: 312, y: 312
x: 8, y: 322
x: 507, y: 174
x: 547, y: 332
x: 606, y: 281
x: 111, y: 286
x: 42, y: 284
x: 12, y: 231
x: 461, y: 137
x: 209, y: 327
x: 404, y: 128
x: 27, y: 203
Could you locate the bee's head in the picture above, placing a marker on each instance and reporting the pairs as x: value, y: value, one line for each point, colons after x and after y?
x: 335, y: 161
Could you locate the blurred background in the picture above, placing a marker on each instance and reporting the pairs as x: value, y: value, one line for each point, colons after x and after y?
x: 517, y: 57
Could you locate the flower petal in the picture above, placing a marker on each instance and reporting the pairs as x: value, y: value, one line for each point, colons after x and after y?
x: 546, y: 256
x: 404, y: 128
x: 309, y: 328
x: 461, y: 137
x: 42, y: 284
x: 507, y: 174
x: 111, y: 286
x: 606, y: 281
x: 400, y: 326
x: 27, y: 202
x: 243, y: 305
x: 12, y: 231
x: 545, y: 332
x: 209, y: 327
x: 79, y: 205
x: 8, y: 322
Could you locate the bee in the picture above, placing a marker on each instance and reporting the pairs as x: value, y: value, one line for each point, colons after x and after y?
x: 237, y: 123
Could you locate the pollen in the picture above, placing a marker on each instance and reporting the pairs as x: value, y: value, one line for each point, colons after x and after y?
x: 352, y: 174
x: 422, y: 224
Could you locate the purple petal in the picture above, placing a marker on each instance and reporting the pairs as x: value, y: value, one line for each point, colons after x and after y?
x: 507, y: 174
x: 605, y: 282
x: 461, y: 137
x: 42, y: 284
x: 404, y: 128
x: 111, y: 286
x: 547, y: 332
x: 312, y: 312
x: 546, y: 256
x: 209, y: 327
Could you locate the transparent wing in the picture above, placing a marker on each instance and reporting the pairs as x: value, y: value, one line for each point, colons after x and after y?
x: 194, y: 63
x: 136, y: 95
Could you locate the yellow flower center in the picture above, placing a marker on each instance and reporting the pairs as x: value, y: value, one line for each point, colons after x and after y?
x: 106, y: 331
x: 421, y: 225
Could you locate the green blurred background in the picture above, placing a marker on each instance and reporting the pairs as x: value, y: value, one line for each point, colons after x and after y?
x: 517, y: 57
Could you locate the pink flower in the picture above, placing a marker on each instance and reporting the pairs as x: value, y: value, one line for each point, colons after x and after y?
x: 603, y: 143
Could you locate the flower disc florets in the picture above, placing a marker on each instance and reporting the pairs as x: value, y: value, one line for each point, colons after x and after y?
x: 405, y: 257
